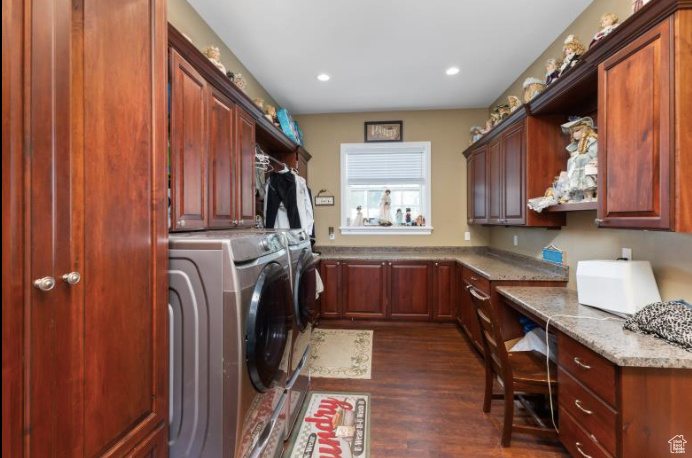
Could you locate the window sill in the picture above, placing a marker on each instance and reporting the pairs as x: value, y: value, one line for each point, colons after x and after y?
x: 376, y: 230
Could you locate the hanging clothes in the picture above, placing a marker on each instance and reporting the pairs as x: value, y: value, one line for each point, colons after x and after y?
x: 304, y: 201
x: 281, y: 191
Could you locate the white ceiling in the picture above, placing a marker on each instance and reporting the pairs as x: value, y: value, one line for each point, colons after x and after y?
x: 387, y: 54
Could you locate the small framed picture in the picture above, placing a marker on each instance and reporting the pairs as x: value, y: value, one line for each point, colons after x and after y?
x: 384, y: 131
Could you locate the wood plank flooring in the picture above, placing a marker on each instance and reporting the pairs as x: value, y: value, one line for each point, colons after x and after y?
x: 427, y: 394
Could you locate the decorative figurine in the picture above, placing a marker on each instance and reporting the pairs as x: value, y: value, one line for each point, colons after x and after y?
x: 476, y: 133
x: 552, y: 70
x: 503, y: 111
x: 399, y: 217
x: 489, y: 124
x: 495, y: 117
x: 214, y: 55
x: 638, y: 4
x: 420, y: 221
x: 385, y: 209
x: 359, y: 220
x: 237, y: 79
x: 532, y: 87
x: 583, y: 150
x: 514, y: 103
x: 609, y: 22
x: 572, y: 51
x: 259, y: 102
x: 408, y: 217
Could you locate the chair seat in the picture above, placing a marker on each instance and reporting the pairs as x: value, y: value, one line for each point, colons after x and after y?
x: 528, y: 367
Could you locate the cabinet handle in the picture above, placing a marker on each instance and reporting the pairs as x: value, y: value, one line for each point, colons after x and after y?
x: 597, y: 221
x: 437, y: 264
x: 72, y: 278
x: 384, y: 263
x: 577, y: 403
x: 579, y: 363
x: 181, y: 223
x: 474, y: 278
x: 578, y: 445
x: 45, y: 284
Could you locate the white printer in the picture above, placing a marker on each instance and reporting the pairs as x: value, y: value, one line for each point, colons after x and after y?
x: 619, y: 287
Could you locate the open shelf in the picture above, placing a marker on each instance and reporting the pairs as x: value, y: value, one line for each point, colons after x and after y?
x: 580, y: 206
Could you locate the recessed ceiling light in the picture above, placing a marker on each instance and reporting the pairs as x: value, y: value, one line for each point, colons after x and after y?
x: 452, y: 71
x: 323, y: 77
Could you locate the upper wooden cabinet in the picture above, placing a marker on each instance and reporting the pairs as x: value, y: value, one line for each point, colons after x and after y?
x: 643, y: 149
x: 519, y: 162
x: 222, y: 183
x: 246, y: 169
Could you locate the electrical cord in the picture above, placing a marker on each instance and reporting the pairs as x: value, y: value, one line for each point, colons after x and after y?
x: 547, y: 356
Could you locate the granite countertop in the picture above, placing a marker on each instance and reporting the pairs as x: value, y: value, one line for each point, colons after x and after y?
x: 495, y: 265
x: 607, y: 338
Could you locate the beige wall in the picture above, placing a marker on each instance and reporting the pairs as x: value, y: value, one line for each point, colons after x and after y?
x: 585, y: 27
x: 670, y: 254
x: 448, y: 132
x: 184, y: 18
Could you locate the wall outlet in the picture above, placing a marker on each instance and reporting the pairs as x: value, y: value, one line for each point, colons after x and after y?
x: 467, y: 236
x: 626, y: 254
x: 516, y: 240
x: 331, y: 233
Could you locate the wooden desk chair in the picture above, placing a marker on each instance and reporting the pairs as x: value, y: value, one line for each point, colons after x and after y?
x: 520, y: 372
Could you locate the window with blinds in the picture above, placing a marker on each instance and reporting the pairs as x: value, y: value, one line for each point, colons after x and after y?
x: 385, y: 188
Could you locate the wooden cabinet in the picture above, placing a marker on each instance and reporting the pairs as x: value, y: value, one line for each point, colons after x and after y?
x: 410, y: 290
x: 495, y: 182
x: 514, y: 176
x: 364, y: 289
x: 246, y: 169
x: 189, y: 144
x: 222, y: 164
x: 444, y: 291
x: 330, y: 299
x: 86, y: 306
x: 477, y: 201
x: 639, y: 99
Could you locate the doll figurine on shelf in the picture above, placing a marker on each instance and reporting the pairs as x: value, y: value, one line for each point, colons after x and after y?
x: 552, y: 70
x: 583, y: 150
x: 572, y: 51
x: 638, y: 4
x: 514, y: 103
x: 214, y: 55
x: 476, y: 133
x: 237, y: 79
x: 532, y: 87
x: 407, y: 218
x: 489, y: 124
x: 399, y: 217
x: 358, y: 220
x: 609, y: 22
x: 385, y: 208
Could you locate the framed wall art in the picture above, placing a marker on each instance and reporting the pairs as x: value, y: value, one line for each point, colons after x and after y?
x: 384, y: 131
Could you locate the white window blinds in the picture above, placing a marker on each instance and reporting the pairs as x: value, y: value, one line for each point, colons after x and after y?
x: 385, y: 167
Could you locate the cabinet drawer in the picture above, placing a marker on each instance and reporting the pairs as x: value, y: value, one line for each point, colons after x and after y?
x: 476, y: 280
x: 595, y: 416
x: 589, y: 368
x: 577, y: 441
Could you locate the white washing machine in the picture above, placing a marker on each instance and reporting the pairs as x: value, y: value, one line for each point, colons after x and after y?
x: 231, y: 330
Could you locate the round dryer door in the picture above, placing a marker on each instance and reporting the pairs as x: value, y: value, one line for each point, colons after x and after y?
x: 304, y: 289
x: 268, y: 326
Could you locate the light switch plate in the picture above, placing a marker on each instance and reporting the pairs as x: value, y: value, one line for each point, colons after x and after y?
x: 467, y: 236
x: 516, y: 240
x: 627, y: 253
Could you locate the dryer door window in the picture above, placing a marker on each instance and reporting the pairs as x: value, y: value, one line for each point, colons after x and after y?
x: 268, y: 326
x: 304, y: 289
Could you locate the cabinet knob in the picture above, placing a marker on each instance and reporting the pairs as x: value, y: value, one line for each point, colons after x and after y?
x: 384, y: 263
x: 597, y: 221
x: 437, y: 264
x: 45, y: 283
x: 181, y: 223
x: 72, y: 278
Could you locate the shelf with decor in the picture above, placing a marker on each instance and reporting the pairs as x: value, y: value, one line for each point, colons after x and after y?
x: 578, y: 206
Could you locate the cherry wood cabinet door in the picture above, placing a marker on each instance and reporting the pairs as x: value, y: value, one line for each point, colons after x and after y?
x: 444, y: 291
x: 246, y: 168
x: 514, y: 175
x: 330, y: 300
x: 636, y: 146
x: 364, y: 289
x: 222, y: 162
x: 477, y: 197
x: 189, y: 143
x: 495, y: 182
x: 410, y: 290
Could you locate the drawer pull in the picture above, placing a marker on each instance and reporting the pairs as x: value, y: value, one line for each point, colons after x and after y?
x: 578, y: 362
x: 577, y: 403
x: 578, y: 445
x: 474, y: 278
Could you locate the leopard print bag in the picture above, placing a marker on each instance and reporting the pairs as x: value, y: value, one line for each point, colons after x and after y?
x: 670, y: 321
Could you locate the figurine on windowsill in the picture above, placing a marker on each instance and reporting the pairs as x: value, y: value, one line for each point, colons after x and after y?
x: 572, y: 51
x: 609, y: 22
x: 408, y: 217
x: 583, y: 149
x: 399, y: 217
x: 420, y: 221
x: 214, y: 55
x: 476, y: 133
x: 358, y: 220
x: 552, y: 70
x: 514, y: 103
x: 532, y: 87
x: 385, y: 208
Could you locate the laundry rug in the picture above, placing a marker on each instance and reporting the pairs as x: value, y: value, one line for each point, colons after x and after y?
x: 332, y: 424
x: 341, y: 353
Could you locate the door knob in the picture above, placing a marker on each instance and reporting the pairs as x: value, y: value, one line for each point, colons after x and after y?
x: 45, y: 283
x: 72, y: 278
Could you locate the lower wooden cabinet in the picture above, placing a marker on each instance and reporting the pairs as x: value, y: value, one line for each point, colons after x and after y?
x: 381, y: 290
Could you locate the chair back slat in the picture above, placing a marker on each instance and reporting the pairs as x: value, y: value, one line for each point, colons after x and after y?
x: 493, y: 341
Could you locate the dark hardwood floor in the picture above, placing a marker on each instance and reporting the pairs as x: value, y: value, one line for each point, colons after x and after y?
x: 427, y: 394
